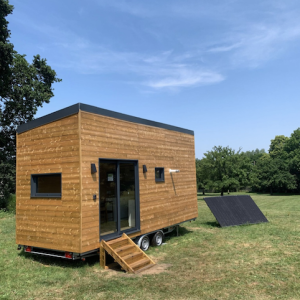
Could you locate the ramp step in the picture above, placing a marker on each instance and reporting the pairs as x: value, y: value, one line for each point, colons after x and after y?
x: 117, y: 243
x: 123, y: 248
x: 127, y: 254
x: 140, y: 263
x: 132, y: 257
x: 111, y: 242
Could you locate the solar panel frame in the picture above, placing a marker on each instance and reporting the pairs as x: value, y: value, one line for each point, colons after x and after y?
x: 235, y: 210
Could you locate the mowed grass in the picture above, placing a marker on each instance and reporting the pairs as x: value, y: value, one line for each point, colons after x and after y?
x: 259, y: 261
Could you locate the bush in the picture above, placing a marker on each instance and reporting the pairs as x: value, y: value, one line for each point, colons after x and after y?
x: 10, y: 204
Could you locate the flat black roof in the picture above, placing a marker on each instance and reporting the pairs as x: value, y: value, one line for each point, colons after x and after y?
x: 74, y: 109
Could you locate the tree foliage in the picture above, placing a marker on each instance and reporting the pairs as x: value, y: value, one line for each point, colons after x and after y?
x: 223, y: 169
x: 6, y: 48
x: 277, y: 147
x: 273, y: 174
x: 24, y: 88
x: 276, y: 171
x: 255, y: 155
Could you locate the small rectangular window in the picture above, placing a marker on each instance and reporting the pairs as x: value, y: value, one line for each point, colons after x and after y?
x: 159, y: 174
x: 46, y: 185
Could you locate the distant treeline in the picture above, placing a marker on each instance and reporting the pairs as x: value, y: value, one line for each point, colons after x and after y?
x: 224, y: 169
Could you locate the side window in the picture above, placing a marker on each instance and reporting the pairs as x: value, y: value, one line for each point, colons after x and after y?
x: 46, y: 185
x: 159, y: 174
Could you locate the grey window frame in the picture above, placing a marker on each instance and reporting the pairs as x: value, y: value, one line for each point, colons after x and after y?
x: 137, y: 227
x: 162, y: 178
x: 34, y: 187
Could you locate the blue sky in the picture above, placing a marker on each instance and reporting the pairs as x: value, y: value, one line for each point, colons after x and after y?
x: 229, y: 70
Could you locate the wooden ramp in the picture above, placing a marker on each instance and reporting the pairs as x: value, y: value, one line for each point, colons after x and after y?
x: 127, y: 254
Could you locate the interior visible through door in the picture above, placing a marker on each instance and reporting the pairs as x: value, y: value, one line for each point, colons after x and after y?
x: 117, y: 196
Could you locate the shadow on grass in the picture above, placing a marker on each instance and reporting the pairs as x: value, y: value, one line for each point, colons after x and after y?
x: 213, y: 224
x: 181, y: 232
x: 89, y: 261
x: 60, y: 262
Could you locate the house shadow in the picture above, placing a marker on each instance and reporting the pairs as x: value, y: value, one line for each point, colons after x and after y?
x: 90, y: 261
x: 213, y: 224
x: 60, y: 262
x: 182, y: 231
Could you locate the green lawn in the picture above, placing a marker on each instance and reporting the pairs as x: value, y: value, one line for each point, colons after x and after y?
x: 206, y: 262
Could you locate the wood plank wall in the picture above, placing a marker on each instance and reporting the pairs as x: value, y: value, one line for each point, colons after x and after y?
x: 52, y: 223
x: 161, y: 204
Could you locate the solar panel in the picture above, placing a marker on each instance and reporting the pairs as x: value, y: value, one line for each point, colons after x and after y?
x: 235, y: 210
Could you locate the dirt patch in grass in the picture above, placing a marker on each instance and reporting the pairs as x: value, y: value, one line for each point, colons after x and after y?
x: 116, y: 271
x: 157, y: 269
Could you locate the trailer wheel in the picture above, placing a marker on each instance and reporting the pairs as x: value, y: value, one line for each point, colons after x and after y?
x: 145, y: 243
x: 157, y: 239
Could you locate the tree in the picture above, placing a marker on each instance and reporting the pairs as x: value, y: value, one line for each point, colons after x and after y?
x: 277, y: 147
x: 224, y: 169
x: 25, y: 88
x: 273, y: 174
x: 200, y: 176
x: 6, y: 48
x: 292, y: 149
x: 254, y: 155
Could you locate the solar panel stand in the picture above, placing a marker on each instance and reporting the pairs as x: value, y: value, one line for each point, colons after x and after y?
x: 235, y: 210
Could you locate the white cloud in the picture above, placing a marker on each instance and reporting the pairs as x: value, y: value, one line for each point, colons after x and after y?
x: 263, y: 42
x: 243, y: 39
x: 162, y: 70
x: 183, y: 77
x: 133, y: 8
x: 225, y: 48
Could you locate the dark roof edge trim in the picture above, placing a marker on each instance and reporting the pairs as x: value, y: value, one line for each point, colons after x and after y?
x: 71, y: 110
x: 55, y: 116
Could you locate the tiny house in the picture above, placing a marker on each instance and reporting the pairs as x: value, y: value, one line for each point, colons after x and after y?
x: 85, y: 174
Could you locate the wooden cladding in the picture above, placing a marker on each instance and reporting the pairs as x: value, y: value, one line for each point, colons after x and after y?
x: 162, y: 204
x: 53, y: 223
x: 69, y: 147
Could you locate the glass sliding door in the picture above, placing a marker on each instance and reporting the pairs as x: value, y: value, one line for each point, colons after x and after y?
x: 127, y: 195
x: 119, y: 197
x: 108, y: 198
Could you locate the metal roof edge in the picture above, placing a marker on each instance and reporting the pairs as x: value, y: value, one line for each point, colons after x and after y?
x: 57, y: 115
x: 71, y: 110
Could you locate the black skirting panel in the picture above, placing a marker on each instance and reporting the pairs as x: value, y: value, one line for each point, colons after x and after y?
x: 235, y: 210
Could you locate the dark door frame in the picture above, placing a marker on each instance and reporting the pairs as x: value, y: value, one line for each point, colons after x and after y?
x: 118, y: 233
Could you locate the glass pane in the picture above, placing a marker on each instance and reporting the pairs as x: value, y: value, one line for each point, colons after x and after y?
x: 127, y: 195
x: 49, y: 184
x: 108, y: 198
x: 157, y: 173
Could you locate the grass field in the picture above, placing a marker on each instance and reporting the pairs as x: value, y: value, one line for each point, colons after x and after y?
x: 206, y: 262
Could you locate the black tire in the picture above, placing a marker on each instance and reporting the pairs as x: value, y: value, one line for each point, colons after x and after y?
x: 145, y: 243
x: 157, y: 239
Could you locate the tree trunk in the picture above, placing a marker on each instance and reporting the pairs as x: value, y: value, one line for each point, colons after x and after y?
x: 203, y: 192
x: 222, y: 192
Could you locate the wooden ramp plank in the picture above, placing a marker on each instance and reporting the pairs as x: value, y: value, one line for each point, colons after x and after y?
x: 127, y: 254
